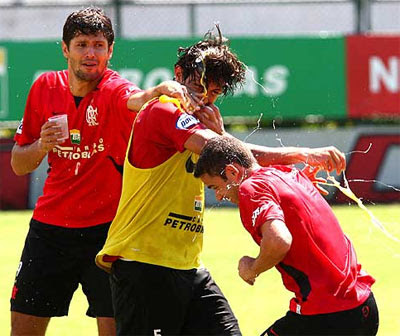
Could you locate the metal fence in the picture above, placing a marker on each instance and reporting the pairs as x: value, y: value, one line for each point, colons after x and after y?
x: 43, y: 19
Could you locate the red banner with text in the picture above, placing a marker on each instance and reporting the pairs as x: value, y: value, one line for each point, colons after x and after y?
x: 373, y: 76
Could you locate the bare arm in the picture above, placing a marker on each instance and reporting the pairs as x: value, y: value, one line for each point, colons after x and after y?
x: 169, y: 88
x: 326, y: 158
x: 275, y: 243
x: 25, y: 159
x: 198, y: 139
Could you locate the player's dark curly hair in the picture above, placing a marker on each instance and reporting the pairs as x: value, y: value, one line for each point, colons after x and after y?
x: 88, y: 21
x: 220, y: 152
x: 222, y: 66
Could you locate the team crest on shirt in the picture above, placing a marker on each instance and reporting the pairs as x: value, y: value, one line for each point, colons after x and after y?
x: 75, y: 136
x: 198, y: 203
x: 91, y: 116
x: 185, y: 121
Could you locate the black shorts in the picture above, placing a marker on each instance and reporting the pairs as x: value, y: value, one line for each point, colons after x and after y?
x: 362, y: 320
x: 155, y: 300
x: 54, y: 261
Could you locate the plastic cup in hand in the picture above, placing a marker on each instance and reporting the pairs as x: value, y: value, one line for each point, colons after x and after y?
x: 62, y: 121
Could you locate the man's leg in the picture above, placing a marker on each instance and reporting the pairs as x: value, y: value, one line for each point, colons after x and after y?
x: 150, y: 299
x: 106, y: 326
x: 44, y: 283
x: 209, y: 312
x: 95, y: 282
x: 23, y: 324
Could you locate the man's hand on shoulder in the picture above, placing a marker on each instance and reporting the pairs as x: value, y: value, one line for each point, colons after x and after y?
x: 169, y: 88
x: 176, y: 90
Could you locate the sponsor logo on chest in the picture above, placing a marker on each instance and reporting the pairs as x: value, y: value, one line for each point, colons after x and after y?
x: 184, y: 223
x: 81, y: 152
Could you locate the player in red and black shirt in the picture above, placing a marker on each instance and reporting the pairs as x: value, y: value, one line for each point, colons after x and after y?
x: 298, y: 234
x: 83, y: 186
x: 144, y: 288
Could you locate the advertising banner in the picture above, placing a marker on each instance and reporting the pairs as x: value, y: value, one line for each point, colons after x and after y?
x: 287, y: 78
x: 373, y: 76
x: 3, y: 84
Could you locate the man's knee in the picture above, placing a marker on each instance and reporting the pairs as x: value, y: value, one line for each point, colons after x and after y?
x: 106, y: 326
x: 24, y: 324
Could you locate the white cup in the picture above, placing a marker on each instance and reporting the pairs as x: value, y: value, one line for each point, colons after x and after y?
x: 62, y: 121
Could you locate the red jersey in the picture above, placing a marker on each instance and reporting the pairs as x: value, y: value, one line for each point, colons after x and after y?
x: 84, y: 180
x: 321, y: 266
x: 160, y: 130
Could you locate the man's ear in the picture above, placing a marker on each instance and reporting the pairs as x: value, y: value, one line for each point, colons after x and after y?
x: 110, y: 51
x: 178, y: 73
x: 233, y: 173
x: 65, y: 50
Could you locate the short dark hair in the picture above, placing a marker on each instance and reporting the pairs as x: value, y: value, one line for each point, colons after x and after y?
x: 88, y: 21
x: 220, y: 152
x: 213, y: 57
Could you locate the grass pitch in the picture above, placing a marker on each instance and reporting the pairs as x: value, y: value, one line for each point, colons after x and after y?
x: 256, y: 307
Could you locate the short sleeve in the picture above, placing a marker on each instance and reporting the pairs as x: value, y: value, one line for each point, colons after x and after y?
x: 122, y: 94
x: 258, y: 204
x: 174, y: 127
x: 29, y: 128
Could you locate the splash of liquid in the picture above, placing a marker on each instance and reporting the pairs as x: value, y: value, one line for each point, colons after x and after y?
x: 350, y: 194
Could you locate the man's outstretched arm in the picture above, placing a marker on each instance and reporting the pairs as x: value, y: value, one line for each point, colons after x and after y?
x: 326, y: 158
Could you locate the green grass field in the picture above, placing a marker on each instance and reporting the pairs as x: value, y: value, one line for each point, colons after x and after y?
x: 226, y: 241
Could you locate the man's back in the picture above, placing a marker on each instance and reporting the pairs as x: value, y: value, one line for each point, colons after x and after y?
x: 321, y: 265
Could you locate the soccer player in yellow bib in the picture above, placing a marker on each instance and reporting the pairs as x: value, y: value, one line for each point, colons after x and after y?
x: 154, y: 243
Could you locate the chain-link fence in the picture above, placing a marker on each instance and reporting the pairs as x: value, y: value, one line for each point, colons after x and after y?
x: 43, y: 19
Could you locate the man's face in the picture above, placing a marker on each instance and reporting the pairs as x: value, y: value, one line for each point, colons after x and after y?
x: 224, y: 189
x: 196, y: 88
x: 88, y: 56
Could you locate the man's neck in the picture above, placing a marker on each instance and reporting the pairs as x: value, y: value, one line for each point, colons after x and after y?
x: 249, y: 171
x: 80, y: 88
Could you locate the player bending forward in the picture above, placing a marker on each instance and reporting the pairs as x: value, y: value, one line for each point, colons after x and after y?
x: 298, y: 234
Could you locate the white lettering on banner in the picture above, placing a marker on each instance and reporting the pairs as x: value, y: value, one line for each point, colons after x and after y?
x: 157, y: 332
x: 132, y: 75
x: 382, y: 75
x: 250, y: 87
x: 275, y: 80
x: 4, y: 110
x: 273, y: 83
x: 156, y: 76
